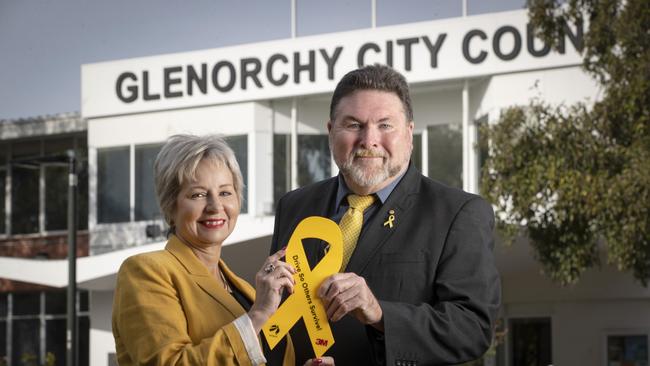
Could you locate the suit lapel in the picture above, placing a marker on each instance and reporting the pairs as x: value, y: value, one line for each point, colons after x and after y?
x: 375, y: 233
x: 202, y: 277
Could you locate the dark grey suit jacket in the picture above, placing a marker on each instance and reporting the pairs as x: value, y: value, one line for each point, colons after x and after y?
x: 433, y: 273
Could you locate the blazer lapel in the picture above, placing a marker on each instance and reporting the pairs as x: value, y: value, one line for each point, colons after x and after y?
x: 202, y: 277
x: 244, y: 287
x: 375, y: 234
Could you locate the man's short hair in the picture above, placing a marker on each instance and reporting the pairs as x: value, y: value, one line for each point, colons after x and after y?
x: 373, y: 77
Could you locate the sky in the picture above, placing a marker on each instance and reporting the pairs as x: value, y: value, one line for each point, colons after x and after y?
x: 43, y: 43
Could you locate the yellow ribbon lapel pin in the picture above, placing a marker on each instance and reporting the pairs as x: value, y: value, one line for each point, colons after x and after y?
x: 391, y: 219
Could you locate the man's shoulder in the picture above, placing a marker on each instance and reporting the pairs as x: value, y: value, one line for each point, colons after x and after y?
x: 317, y: 189
x: 442, y: 193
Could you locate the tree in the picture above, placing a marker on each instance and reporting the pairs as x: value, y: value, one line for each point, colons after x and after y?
x: 576, y: 177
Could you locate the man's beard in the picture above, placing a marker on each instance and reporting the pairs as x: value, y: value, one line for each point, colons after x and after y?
x: 369, y: 176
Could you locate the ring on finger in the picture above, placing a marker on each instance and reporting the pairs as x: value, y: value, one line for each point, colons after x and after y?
x: 270, y: 268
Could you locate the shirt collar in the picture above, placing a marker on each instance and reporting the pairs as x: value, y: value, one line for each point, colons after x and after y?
x: 382, y: 194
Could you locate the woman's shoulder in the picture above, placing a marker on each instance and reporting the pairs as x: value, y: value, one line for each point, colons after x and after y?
x: 150, y: 261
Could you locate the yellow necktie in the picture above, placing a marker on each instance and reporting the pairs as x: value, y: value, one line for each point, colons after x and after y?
x: 351, y: 224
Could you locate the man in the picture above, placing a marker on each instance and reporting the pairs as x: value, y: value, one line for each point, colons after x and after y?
x: 421, y: 286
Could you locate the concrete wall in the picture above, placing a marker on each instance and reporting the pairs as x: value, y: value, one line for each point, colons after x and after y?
x: 101, y: 334
x: 604, y: 301
x: 555, y: 86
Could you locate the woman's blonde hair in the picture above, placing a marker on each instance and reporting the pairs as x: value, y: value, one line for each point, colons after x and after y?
x: 176, y: 164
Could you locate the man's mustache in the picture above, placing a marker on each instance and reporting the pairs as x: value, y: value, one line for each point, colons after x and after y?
x: 364, y: 153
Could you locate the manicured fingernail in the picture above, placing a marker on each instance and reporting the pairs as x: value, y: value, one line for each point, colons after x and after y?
x: 284, y: 247
x: 318, y: 361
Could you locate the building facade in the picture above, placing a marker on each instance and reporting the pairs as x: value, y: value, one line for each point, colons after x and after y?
x: 271, y: 102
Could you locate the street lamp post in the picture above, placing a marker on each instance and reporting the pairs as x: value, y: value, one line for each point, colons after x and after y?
x: 71, y: 328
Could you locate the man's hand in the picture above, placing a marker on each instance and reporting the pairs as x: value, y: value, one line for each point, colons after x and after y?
x: 344, y: 293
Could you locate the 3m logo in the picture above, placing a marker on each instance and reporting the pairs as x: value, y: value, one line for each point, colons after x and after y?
x: 321, y: 342
x: 275, y: 329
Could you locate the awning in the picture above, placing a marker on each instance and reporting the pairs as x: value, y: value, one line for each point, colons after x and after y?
x: 97, y: 272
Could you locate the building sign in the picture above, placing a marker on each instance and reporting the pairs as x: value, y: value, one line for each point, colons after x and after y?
x: 448, y: 49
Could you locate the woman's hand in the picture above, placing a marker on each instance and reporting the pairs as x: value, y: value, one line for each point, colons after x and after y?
x: 323, y: 361
x: 270, y: 282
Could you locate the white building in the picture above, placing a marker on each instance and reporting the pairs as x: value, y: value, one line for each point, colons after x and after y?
x: 271, y: 100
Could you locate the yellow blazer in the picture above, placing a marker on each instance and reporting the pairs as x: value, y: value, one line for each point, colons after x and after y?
x: 169, y: 310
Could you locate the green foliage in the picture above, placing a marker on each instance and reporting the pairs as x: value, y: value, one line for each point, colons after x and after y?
x: 30, y: 359
x: 50, y: 359
x: 572, y: 177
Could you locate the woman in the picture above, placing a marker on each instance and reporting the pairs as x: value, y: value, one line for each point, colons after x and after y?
x: 182, y: 305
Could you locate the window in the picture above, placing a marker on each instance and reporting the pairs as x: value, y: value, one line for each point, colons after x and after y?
x: 628, y: 350
x: 24, y: 199
x: 56, y: 302
x: 25, y: 188
x: 314, y: 17
x: 84, y: 304
x: 113, y: 185
x: 475, y: 7
x: 26, y: 303
x: 530, y: 340
x: 84, y: 340
x: 281, y: 165
x: 82, y: 183
x: 3, y: 187
x: 36, y: 171
x: 3, y: 329
x: 445, y: 146
x: 36, y: 330
x: 56, y: 189
x: 56, y: 182
x: 314, y: 163
x: 3, y: 343
x: 114, y: 176
x: 3, y: 305
x: 25, y: 341
x: 391, y: 12
x: 416, y: 154
x: 483, y: 146
x: 55, y: 341
x: 239, y: 145
x: 146, y: 205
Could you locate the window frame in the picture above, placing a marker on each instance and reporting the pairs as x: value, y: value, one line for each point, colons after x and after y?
x: 136, y: 170
x: 506, y: 354
x: 632, y: 331
x: 8, y: 145
x: 132, y: 175
x: 42, y: 317
x: 129, y: 177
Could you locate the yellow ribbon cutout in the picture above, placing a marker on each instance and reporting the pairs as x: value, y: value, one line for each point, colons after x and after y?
x: 304, y: 303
